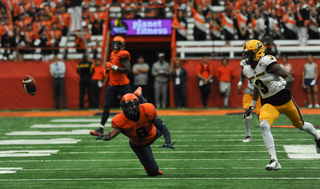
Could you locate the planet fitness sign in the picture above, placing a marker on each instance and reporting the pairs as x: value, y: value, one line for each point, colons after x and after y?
x: 141, y: 27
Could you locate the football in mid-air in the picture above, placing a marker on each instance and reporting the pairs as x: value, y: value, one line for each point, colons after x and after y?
x: 29, y: 85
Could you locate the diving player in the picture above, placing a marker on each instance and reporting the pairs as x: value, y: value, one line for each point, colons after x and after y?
x: 141, y: 124
x: 269, y: 81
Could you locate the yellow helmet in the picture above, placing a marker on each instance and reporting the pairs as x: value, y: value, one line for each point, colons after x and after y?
x: 252, y: 52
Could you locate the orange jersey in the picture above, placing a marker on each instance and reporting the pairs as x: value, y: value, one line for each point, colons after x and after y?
x: 117, y: 78
x: 140, y: 132
x: 225, y: 73
x: 204, y: 70
x: 98, y: 73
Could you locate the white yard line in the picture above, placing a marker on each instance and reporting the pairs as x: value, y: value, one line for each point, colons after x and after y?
x: 80, y: 120
x: 174, y: 152
x: 49, y: 141
x: 73, y: 132
x: 161, y: 178
x: 6, y: 172
x: 93, y: 125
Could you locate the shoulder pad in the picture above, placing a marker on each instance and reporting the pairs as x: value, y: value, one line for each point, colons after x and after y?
x: 243, y: 63
x: 118, y: 120
x: 149, y: 109
x: 267, y: 59
x: 124, y: 54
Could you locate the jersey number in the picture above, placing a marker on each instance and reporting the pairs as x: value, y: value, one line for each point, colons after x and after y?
x: 264, y: 88
x: 142, y: 132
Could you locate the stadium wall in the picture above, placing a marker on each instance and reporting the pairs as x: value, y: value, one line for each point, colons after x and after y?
x: 13, y: 95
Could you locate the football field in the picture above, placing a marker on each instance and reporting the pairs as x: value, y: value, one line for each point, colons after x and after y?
x: 58, y: 152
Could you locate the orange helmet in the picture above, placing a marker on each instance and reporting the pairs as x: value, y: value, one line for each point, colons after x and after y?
x: 130, y: 105
x: 118, y: 43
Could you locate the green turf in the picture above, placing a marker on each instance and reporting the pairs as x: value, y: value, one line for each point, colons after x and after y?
x: 209, y: 154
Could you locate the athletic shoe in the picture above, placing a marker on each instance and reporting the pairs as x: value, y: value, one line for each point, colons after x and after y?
x: 310, y: 106
x: 160, y: 172
x: 317, y: 106
x: 317, y: 144
x: 138, y: 92
x: 248, y: 139
x: 274, y: 165
x: 97, y: 132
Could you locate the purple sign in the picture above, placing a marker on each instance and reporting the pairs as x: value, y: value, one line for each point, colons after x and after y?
x: 141, y: 27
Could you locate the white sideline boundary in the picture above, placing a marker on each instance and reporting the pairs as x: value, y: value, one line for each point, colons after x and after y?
x: 121, y: 160
x: 159, y: 178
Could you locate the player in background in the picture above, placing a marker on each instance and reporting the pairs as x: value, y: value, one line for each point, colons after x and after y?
x: 141, y: 124
x: 246, y: 100
x: 118, y: 80
x: 269, y: 81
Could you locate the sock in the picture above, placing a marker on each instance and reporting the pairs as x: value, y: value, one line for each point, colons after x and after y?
x: 105, y: 116
x: 142, y: 100
x: 268, y: 139
x: 247, y: 123
x: 308, y: 127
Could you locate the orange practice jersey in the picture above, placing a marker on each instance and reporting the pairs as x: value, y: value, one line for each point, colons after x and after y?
x: 225, y: 73
x: 117, y: 78
x: 204, y: 70
x: 98, y: 73
x: 140, y: 132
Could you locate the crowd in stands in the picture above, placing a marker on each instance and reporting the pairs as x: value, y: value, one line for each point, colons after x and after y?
x: 42, y: 23
x: 252, y: 19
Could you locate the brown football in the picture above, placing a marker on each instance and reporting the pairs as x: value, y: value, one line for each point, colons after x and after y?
x: 29, y: 85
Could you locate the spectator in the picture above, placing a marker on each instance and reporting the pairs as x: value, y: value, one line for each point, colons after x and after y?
x: 58, y: 70
x: 76, y: 15
x: 266, y: 26
x: 64, y: 19
x: 313, y: 30
x: 18, y: 42
x: 227, y: 23
x: 55, y: 34
x: 85, y: 69
x: 180, y: 24
x: 140, y: 71
x: 179, y: 76
x: 276, y: 29
x: 79, y: 43
x: 161, y: 70
x: 243, y: 20
x: 30, y: 35
x: 225, y: 74
x: 46, y: 43
x: 288, y: 67
x: 199, y: 15
x: 98, y: 82
x: 97, y: 20
x: 215, y: 27
x: 6, y: 32
x: 129, y: 7
x: 255, y: 31
x: 205, y: 73
x: 159, y: 7
x: 283, y: 6
x: 103, y: 3
x: 290, y: 27
x: 310, y: 81
x: 23, y: 21
x: 303, y: 14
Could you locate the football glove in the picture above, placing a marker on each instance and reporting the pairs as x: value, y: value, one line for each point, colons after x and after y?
x: 103, y: 137
x: 111, y: 66
x: 278, y: 84
x: 248, y: 111
x: 168, y: 146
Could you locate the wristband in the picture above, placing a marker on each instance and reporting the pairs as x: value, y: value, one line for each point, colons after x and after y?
x: 253, y: 103
x: 240, y: 83
x: 115, y: 67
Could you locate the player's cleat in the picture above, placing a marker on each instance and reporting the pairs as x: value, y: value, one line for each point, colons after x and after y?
x: 97, y: 132
x: 103, y: 137
x: 138, y: 92
x: 248, y: 139
x: 310, y: 106
x: 317, y: 106
x: 160, y: 172
x: 274, y: 165
x: 317, y: 144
